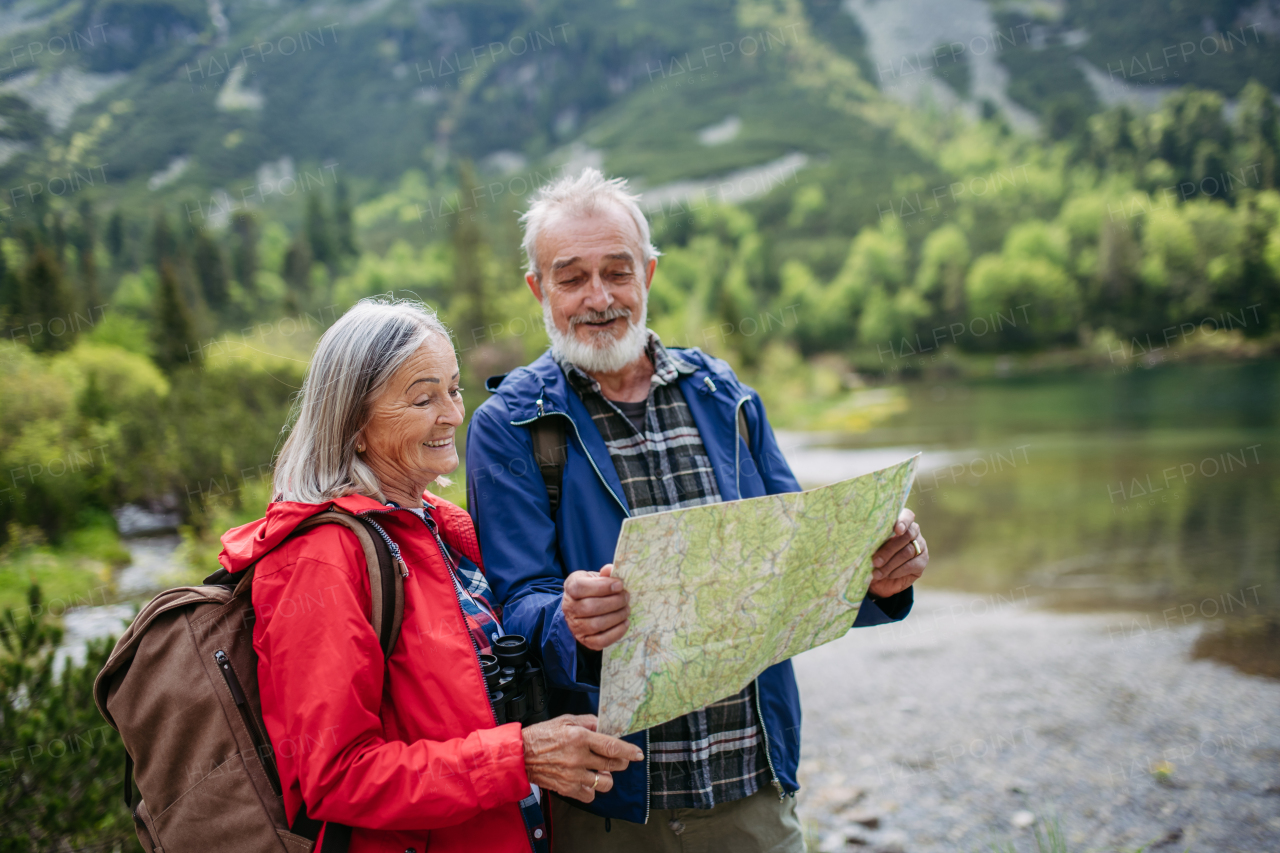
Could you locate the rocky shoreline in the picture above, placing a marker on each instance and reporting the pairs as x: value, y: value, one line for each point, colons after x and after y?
x: 980, y: 719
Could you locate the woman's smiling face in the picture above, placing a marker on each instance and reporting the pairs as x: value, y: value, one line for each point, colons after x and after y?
x: 409, y: 437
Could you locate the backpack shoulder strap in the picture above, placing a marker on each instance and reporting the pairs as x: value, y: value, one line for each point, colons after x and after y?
x: 551, y: 451
x: 386, y: 582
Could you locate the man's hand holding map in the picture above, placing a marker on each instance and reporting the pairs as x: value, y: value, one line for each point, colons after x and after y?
x: 719, y: 593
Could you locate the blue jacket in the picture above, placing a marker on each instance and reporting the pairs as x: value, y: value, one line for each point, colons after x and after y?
x: 528, y: 554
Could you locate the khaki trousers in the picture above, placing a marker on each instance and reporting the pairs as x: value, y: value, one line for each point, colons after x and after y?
x: 757, y: 824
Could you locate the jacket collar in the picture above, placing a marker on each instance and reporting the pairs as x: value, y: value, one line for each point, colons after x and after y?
x: 541, y: 387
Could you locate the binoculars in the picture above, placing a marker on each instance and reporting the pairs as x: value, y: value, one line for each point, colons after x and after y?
x: 516, y: 686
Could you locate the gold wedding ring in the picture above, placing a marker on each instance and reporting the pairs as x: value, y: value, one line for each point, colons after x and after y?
x: 595, y: 781
x: 919, y: 550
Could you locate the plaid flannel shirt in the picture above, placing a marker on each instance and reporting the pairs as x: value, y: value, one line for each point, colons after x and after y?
x: 714, y: 755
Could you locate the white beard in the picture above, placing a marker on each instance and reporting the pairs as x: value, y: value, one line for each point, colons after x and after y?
x: 604, y: 354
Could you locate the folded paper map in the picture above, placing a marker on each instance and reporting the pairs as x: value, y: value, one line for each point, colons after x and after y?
x: 720, y: 593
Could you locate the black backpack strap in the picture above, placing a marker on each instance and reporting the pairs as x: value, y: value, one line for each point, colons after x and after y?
x: 551, y: 451
x: 128, y: 781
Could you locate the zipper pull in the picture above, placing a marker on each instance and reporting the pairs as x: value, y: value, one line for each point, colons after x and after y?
x: 397, y: 560
x: 539, y: 407
x: 706, y: 380
x: 229, y: 675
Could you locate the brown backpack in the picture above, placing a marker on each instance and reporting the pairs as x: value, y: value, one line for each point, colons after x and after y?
x: 181, y: 687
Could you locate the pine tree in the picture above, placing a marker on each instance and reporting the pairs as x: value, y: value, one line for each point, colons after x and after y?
x: 40, y: 217
x: 211, y: 271
x: 12, y: 309
x: 8, y: 290
x: 297, y: 276
x: 174, y: 331
x: 115, y: 237
x: 93, y: 402
x: 468, y: 265
x: 322, y: 244
x: 345, y: 231
x: 59, y: 234
x: 245, y: 255
x: 1258, y: 120
x: 164, y: 245
x: 50, y: 305
x: 29, y: 236
x: 86, y: 238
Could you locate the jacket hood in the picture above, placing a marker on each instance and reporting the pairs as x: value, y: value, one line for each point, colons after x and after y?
x: 245, y: 545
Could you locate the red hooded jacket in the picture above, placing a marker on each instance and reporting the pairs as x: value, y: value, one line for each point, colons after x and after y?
x: 404, y: 750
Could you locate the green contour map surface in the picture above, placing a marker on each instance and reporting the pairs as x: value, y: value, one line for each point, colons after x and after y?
x: 720, y: 593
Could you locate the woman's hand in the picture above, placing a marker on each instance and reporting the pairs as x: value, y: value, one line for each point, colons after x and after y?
x: 567, y: 755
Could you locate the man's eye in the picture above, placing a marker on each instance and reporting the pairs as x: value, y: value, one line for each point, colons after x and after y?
x: 456, y: 392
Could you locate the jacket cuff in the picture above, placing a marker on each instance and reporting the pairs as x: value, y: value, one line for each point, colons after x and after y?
x: 882, y: 611
x: 494, y: 761
x: 566, y: 662
x: 590, y: 662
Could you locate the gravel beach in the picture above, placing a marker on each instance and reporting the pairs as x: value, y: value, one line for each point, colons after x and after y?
x: 980, y: 718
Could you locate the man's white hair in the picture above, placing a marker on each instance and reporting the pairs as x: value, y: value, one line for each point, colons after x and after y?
x: 582, y: 195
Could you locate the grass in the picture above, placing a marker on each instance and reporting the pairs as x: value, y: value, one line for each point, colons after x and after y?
x: 1052, y: 839
x: 75, y: 572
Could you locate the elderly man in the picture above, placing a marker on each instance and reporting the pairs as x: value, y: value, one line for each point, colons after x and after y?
x: 609, y: 424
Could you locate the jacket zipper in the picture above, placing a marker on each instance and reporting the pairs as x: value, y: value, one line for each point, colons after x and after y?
x: 710, y: 385
x: 586, y: 452
x: 448, y: 567
x: 396, y: 559
x: 777, y: 783
x: 541, y: 414
x: 737, y: 448
x: 737, y: 482
x: 648, y: 795
x: 457, y: 597
x: 242, y: 705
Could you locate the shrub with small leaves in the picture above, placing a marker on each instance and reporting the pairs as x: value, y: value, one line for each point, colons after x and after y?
x: 61, y: 765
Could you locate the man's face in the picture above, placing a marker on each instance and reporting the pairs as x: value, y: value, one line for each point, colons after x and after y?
x: 594, y: 280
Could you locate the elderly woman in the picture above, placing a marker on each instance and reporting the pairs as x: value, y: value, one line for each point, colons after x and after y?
x: 403, y: 749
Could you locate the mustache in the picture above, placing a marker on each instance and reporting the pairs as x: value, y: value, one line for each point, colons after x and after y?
x: 599, y: 316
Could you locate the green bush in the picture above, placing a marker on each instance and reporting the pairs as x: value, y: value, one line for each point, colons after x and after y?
x: 62, y: 769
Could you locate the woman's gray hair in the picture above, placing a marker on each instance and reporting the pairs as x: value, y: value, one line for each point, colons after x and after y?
x: 352, y: 363
x: 581, y: 195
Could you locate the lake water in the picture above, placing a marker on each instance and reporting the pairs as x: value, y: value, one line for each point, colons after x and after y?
x: 1151, y: 489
